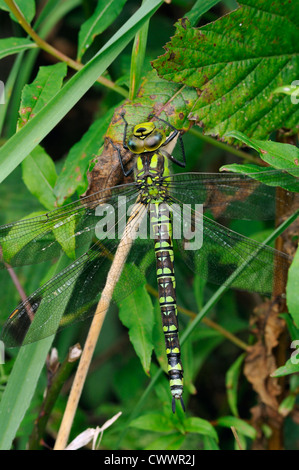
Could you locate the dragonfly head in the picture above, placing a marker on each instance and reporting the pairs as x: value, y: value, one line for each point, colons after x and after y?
x: 145, y: 138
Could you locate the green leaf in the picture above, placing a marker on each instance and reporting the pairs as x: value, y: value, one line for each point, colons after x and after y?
x: 240, y: 425
x: 290, y: 367
x: 231, y: 382
x: 22, y: 143
x: 27, y: 8
x: 105, y: 13
x: 292, y: 329
x: 236, y: 63
x: 136, y: 313
x: 277, y: 154
x: 287, y: 405
x: 39, y: 175
x: 10, y: 249
x: 11, y: 46
x: 20, y: 388
x: 138, y: 59
x: 156, y: 93
x: 209, y: 443
x: 292, y: 289
x: 36, y: 95
x: 264, y: 175
x: 199, y: 8
x: 200, y: 426
x: 23, y: 379
x: 64, y: 234
x: 189, y: 367
x: 170, y: 442
x: 156, y: 422
x: 73, y: 174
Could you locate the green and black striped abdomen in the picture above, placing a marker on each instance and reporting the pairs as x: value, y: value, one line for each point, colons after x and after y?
x: 161, y: 224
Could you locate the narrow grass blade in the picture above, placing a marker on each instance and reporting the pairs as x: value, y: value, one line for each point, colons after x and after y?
x: 18, y: 147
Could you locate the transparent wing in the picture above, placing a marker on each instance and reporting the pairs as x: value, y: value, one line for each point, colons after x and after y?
x: 216, y: 253
x: 73, y: 294
x: 234, y: 195
x: 67, y: 228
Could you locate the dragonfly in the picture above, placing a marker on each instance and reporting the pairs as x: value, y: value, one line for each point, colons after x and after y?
x: 155, y: 215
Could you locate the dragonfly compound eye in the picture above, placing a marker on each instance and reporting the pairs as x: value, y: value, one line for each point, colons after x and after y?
x: 135, y: 144
x: 154, y: 140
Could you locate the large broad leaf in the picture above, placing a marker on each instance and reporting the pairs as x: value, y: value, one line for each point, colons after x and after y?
x: 155, y: 422
x: 237, y: 63
x: 156, y: 95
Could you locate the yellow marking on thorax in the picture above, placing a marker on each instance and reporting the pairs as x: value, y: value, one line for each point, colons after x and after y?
x: 139, y: 164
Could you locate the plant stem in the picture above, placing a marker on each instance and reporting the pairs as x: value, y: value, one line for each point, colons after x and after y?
x: 236, y: 437
x: 227, y: 148
x: 96, y: 325
x: 53, y: 391
x: 53, y: 51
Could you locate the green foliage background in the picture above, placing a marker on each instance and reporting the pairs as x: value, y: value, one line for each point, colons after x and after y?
x: 220, y: 74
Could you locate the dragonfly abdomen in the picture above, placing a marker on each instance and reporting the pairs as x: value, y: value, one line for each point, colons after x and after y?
x: 161, y: 225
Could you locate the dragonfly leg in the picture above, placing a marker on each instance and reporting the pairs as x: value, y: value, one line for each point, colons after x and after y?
x: 126, y: 173
x: 125, y: 132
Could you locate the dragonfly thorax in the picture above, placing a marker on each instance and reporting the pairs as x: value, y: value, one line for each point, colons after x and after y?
x: 150, y: 172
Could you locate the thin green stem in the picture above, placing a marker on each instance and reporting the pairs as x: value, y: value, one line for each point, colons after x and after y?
x: 57, y: 382
x: 137, y: 59
x: 42, y: 44
x: 227, y: 148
